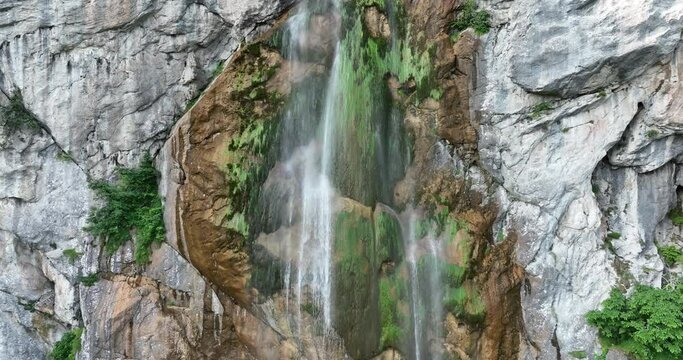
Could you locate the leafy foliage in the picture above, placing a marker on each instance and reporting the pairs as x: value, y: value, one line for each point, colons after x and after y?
x: 671, y: 255
x: 89, y: 280
x: 647, y: 325
x: 614, y: 235
x: 676, y: 217
x: 15, y: 117
x: 72, y: 254
x: 470, y: 17
x: 540, y: 108
x: 131, y: 204
x: 68, y: 346
x: 651, y: 133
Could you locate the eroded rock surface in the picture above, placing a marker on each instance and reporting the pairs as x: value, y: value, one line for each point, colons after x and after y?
x: 555, y: 98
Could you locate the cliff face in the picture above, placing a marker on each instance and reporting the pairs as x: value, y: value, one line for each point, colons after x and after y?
x: 548, y: 135
x: 106, y: 80
x: 579, y: 106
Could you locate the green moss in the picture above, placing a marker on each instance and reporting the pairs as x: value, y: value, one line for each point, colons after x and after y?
x: 650, y: 134
x: 89, y: 280
x: 578, y: 354
x: 72, y: 254
x: 68, y: 346
x: 470, y: 17
x: 540, y: 108
x: 356, y: 272
x: 393, y: 323
x: 388, y: 237
x: 15, y: 117
x: 132, y: 204
x: 252, y: 151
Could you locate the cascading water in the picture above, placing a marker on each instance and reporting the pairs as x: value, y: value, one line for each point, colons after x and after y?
x: 312, y: 275
x: 368, y: 271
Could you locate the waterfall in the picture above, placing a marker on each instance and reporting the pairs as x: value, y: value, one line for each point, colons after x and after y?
x: 354, y: 259
x: 312, y: 278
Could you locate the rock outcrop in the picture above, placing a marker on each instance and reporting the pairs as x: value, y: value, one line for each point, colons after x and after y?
x: 577, y: 101
x: 556, y: 137
x: 105, y: 81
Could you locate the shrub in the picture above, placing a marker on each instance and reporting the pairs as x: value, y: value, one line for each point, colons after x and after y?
x: 651, y: 134
x: 470, y: 17
x: 132, y: 204
x: 68, y: 346
x: 15, y: 117
x: 89, y: 280
x: 671, y: 255
x: 540, y: 108
x: 676, y: 217
x: 648, y: 325
x: 64, y: 156
x: 614, y: 235
x: 72, y: 254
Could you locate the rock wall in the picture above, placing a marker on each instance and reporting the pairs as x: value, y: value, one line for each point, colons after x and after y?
x: 578, y: 106
x: 106, y: 80
x: 566, y: 117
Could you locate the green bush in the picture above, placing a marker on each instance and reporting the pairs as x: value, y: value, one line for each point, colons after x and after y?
x: 470, y: 17
x: 89, y: 280
x: 15, y: 117
x: 68, y: 346
x: 671, y: 255
x: 132, y: 204
x: 540, y: 108
x: 648, y: 325
x: 651, y: 134
x: 614, y: 235
x: 676, y: 217
x: 72, y: 254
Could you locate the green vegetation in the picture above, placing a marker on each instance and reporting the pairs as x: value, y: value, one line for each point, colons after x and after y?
x: 470, y: 17
x: 90, y: 279
x: 132, y: 204
x: 15, y: 117
x: 676, y: 217
x: 614, y: 235
x: 218, y: 70
x: 390, y: 318
x: 29, y: 305
x: 578, y: 354
x: 436, y: 94
x: 648, y: 325
x: 651, y: 133
x: 540, y: 108
x: 68, y: 346
x: 602, y: 93
x: 72, y: 254
x: 64, y: 156
x: 366, y: 3
x: 310, y: 309
x: 671, y: 255
x: 249, y: 153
